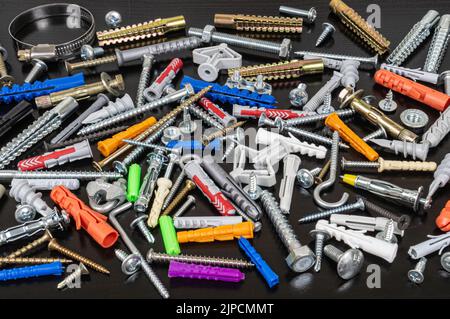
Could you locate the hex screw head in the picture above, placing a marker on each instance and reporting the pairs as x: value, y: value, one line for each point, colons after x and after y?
x: 350, y: 263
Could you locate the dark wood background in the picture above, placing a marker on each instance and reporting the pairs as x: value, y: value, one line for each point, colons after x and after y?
x: 397, y: 19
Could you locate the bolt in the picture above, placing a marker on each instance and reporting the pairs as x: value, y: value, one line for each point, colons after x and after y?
x: 188, y: 186
x: 39, y: 68
x: 327, y: 32
x: 153, y: 256
x: 445, y: 77
x: 300, y: 258
x: 131, y: 263
x: 372, y: 62
x: 320, y: 237
x: 190, y: 200
x: 358, y: 205
x: 349, y: 263
x: 209, y: 34
x: 308, y: 15
x: 80, y: 271
x: 445, y: 261
x: 252, y: 189
x: 298, y: 96
x: 54, y: 245
x: 388, y: 233
x: 402, y: 221
x: 113, y: 19
x: 89, y: 53
x: 380, y: 133
x: 416, y: 275
x: 388, y: 104
x: 5, y: 78
x: 140, y: 223
x: 306, y: 177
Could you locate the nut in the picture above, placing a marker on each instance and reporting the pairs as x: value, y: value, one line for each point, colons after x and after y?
x: 207, y: 33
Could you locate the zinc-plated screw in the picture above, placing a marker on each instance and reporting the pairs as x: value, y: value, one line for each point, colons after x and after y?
x: 235, y: 139
x: 188, y: 186
x: 388, y: 233
x: 131, y: 263
x: 402, y: 221
x: 209, y: 34
x: 306, y: 177
x: 113, y: 19
x: 445, y: 261
x: 54, y: 245
x: 372, y: 61
x: 39, y: 68
x: 358, y: 205
x: 151, y: 145
x: 144, y: 79
x: 19, y: 260
x: 190, y: 200
x: 81, y: 175
x: 80, y: 271
x: 5, y: 78
x: 153, y: 256
x: 140, y: 223
x: 326, y: 107
x: 380, y: 133
x: 349, y: 263
x: 252, y: 189
x: 308, y: 15
x: 388, y: 104
x: 320, y: 237
x: 187, y: 126
x: 205, y: 117
x: 416, y: 275
x: 316, y: 118
x: 88, y: 52
x: 173, y: 190
x: 439, y: 45
x: 298, y: 96
x: 327, y: 32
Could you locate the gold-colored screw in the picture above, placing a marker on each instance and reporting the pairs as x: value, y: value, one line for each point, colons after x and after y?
x: 280, y: 70
x: 208, y: 138
x: 54, y: 245
x: 244, y: 22
x: 73, y: 67
x: 188, y: 186
x: 319, y: 178
x: 37, y: 260
x: 5, y: 78
x: 355, y: 23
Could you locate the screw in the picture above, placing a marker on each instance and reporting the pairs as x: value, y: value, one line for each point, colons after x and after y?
x: 388, y: 104
x: 326, y: 107
x: 205, y: 117
x: 320, y: 237
x: 24, y: 213
x: 73, y: 67
x: 208, y: 138
x: 151, y: 145
x: 372, y: 62
x: 81, y: 270
x: 190, y: 200
x: 380, y: 133
x: 445, y: 261
x: 316, y: 118
x: 323, y: 172
x: 173, y: 190
x: 5, y: 78
x: 153, y: 256
x: 298, y: 96
x: 252, y: 189
x: 140, y: 223
x: 402, y: 221
x: 388, y: 233
x: 438, y: 45
x: 54, y: 245
x: 308, y: 15
x: 383, y: 165
x: 209, y: 34
x: 349, y: 263
x: 18, y: 260
x: 260, y: 86
x: 445, y: 77
x: 306, y: 177
x: 81, y: 175
x: 327, y: 32
x: 39, y: 68
x: 187, y: 126
x: 113, y: 19
x: 416, y: 275
x: 144, y: 79
x: 131, y: 263
x: 87, y: 52
x: 235, y: 139
x: 300, y: 258
x: 188, y: 186
x: 359, y: 204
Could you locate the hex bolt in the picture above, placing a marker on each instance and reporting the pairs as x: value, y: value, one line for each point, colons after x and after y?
x: 320, y: 237
x: 5, y: 78
x: 349, y: 263
x: 416, y: 275
x: 402, y: 221
x: 252, y: 189
x: 309, y: 16
x: 87, y: 52
x: 190, y: 200
x: 80, y: 271
x: 388, y: 233
x: 358, y: 205
x: 300, y: 258
x: 445, y: 261
x: 140, y: 223
x: 445, y: 77
x: 327, y: 32
x: 131, y: 263
x: 39, y: 68
x: 298, y: 96
x: 306, y: 177
x: 209, y: 34
x: 372, y: 61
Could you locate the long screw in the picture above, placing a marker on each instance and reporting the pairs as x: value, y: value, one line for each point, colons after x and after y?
x: 320, y: 238
x: 316, y: 118
x: 190, y: 200
x: 162, y: 258
x: 372, y: 62
x: 188, y: 186
x: 148, y: 145
x: 205, y: 117
x: 308, y: 15
x: 358, y: 205
x: 54, y: 245
x: 323, y: 172
x: 81, y: 270
x: 81, y: 175
x: 402, y: 221
x: 174, y: 189
x: 438, y: 45
x: 19, y: 260
x: 144, y: 80
x: 380, y: 133
x: 219, y: 133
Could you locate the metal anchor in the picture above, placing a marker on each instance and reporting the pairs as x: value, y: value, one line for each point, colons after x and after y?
x: 104, y: 196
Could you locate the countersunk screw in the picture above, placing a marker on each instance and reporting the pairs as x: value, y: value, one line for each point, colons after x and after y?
x: 402, y: 221
x: 131, y: 263
x: 39, y: 68
x: 416, y: 275
x: 80, y: 271
x: 88, y: 52
x: 5, y: 78
x: 320, y: 237
x: 140, y: 223
x: 188, y: 186
x: 252, y: 189
x: 327, y: 32
x: 349, y: 263
x: 190, y: 200
x: 309, y: 16
x: 306, y: 177
x: 359, y: 204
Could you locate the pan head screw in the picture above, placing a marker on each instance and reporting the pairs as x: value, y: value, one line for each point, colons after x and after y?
x: 350, y: 263
x: 328, y: 30
x: 87, y: 52
x: 252, y: 189
x: 298, y: 96
x: 113, y: 19
x: 131, y: 263
x: 306, y: 177
x: 24, y: 213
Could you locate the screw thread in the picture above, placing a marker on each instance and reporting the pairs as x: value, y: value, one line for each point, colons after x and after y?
x: 81, y: 175
x: 316, y: 118
x: 71, y: 278
x: 144, y: 79
x: 327, y: 213
x: 184, y: 207
x: 372, y: 61
x: 378, y: 133
x: 313, y: 136
x: 18, y: 260
x: 208, y: 138
x: 205, y: 117
x: 3, y: 69
x: 253, y: 185
x: 146, y: 232
x: 320, y: 240
x: 173, y: 190
x: 358, y: 164
x: 229, y: 150
x: 327, y: 32
x: 374, y: 208
x: 421, y: 264
x: 332, y: 252
x: 190, y: 185
x: 388, y: 232
x: 120, y: 254
x: 72, y: 67
x: 154, y: 279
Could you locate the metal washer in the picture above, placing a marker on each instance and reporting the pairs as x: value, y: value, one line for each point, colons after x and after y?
x: 414, y: 118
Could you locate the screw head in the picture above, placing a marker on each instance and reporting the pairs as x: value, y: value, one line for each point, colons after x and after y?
x: 24, y: 213
x: 380, y: 235
x: 262, y: 119
x: 113, y: 19
x: 305, y: 178
x: 403, y: 222
x: 252, y: 195
x: 415, y: 276
x: 285, y: 48
x: 87, y: 52
x: 328, y: 26
x: 369, y: 99
x: 350, y: 263
x: 131, y: 264
x: 42, y: 65
x: 279, y: 123
x: 298, y: 96
x: 301, y: 259
x: 316, y: 232
x: 445, y: 261
x: 312, y: 15
x: 137, y: 220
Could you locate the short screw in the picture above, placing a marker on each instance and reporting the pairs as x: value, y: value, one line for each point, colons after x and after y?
x: 358, y: 205
x: 80, y: 271
x: 416, y: 275
x: 388, y: 233
x: 388, y: 104
x: 140, y: 223
x: 113, y: 19
x: 309, y: 16
x: 39, y: 68
x: 252, y: 189
x: 327, y: 32
x: 326, y: 107
x: 298, y: 96
x: 5, y: 78
x: 306, y: 177
x: 190, y: 200
x: 402, y: 221
x: 131, y: 263
x: 320, y: 237
x: 349, y: 263
x: 89, y: 53
x: 380, y: 133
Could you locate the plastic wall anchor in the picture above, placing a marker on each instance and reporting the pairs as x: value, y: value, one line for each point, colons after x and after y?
x: 213, y: 59
x: 413, y: 74
x: 220, y: 233
x: 169, y: 235
x: 441, y: 176
x: 164, y: 185
x: 224, y: 118
x: 59, y: 157
x: 427, y: 247
x: 49, y: 184
x: 291, y: 164
x: 223, y: 94
x: 264, y: 269
x: 350, y: 74
x: 269, y: 156
x: 50, y: 269
x: 414, y: 150
x: 244, y: 112
x: 22, y: 192
x: 327, y: 62
x: 385, y: 165
x: 438, y: 130
x: 121, y: 105
x: 134, y: 182
x: 443, y: 220
x: 156, y: 89
x: 27, y: 91
x: 364, y: 223
x: 205, y: 221
x: 356, y: 239
x: 194, y: 271
x: 317, y: 100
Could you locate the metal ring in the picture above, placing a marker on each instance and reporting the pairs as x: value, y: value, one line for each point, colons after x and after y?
x: 414, y: 118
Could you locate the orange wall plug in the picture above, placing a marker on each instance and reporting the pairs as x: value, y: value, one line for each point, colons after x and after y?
x: 443, y: 220
x: 225, y: 232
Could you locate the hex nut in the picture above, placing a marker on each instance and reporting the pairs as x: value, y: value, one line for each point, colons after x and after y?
x: 285, y: 48
x: 208, y: 30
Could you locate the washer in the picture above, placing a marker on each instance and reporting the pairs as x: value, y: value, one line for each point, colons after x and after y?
x: 414, y: 119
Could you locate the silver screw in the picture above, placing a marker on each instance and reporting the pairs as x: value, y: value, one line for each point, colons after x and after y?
x: 88, y: 52
x: 205, y: 117
x: 326, y: 107
x: 316, y: 118
x: 235, y: 139
x: 309, y: 16
x: 187, y: 126
x: 402, y: 221
x: 388, y: 233
x: 358, y: 205
x: 320, y: 237
x: 306, y: 177
x: 445, y: 77
x: 113, y: 19
x: 81, y: 175
x: 174, y: 189
x: 327, y: 32
x: 144, y: 79
x: 380, y: 133
x: 372, y: 61
x: 5, y: 78
x: 300, y: 258
x: 298, y: 96
x: 252, y: 189
x: 153, y: 256
x: 388, y: 104
x: 349, y: 263
x: 445, y: 261
x: 190, y: 200
x: 39, y: 68
x: 345, y: 164
x: 140, y: 223
x: 438, y: 45
x: 151, y: 145
x: 416, y: 275
x: 209, y: 34
x: 80, y: 271
x: 131, y: 263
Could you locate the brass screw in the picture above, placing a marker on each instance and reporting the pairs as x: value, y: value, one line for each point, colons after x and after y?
x: 244, y: 22
x: 37, y: 260
x: 323, y: 172
x: 188, y: 186
x: 208, y: 138
x: 54, y: 245
x: 72, y: 67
